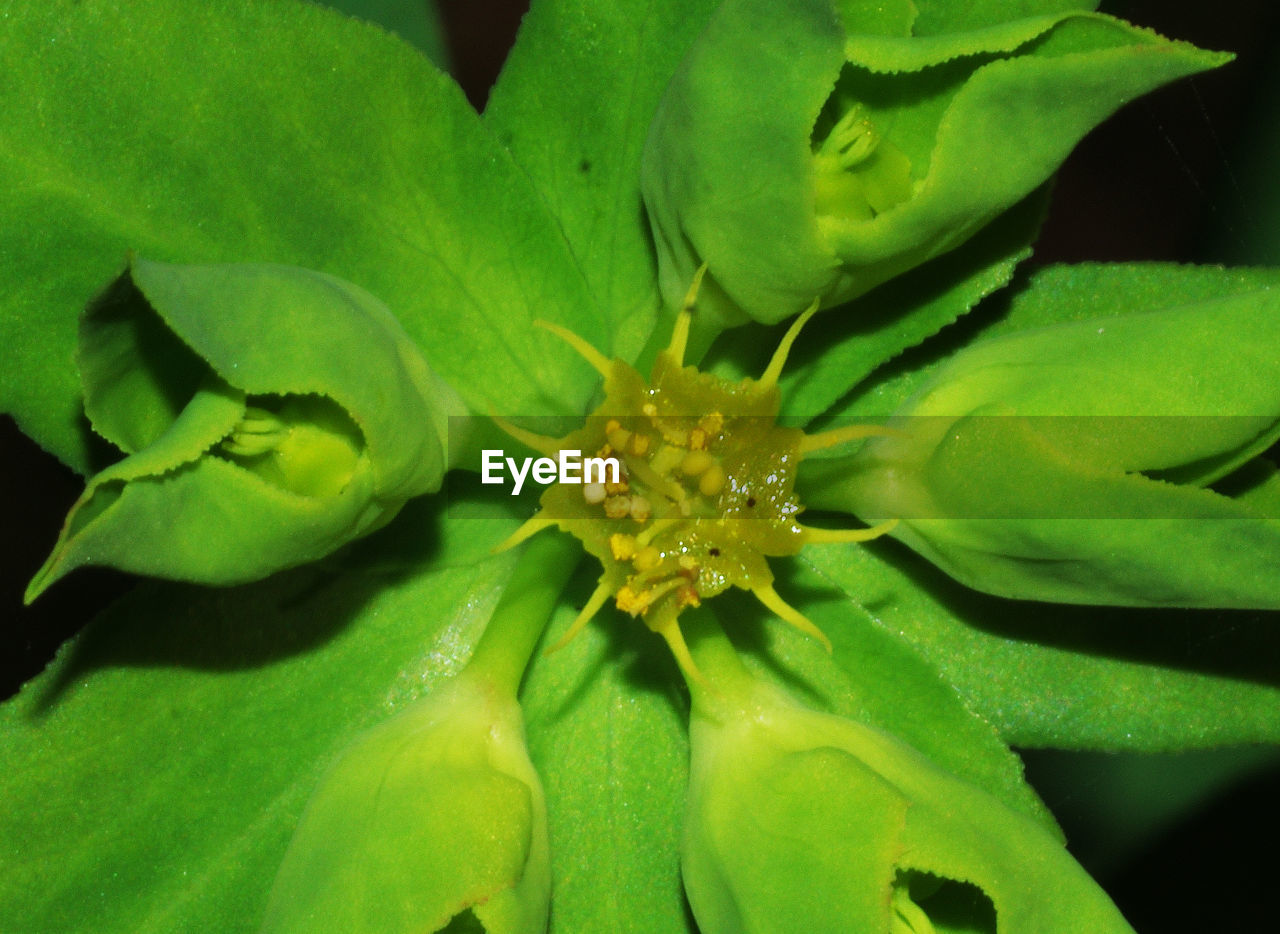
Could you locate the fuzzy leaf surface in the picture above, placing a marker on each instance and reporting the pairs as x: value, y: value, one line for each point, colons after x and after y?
x: 281, y: 133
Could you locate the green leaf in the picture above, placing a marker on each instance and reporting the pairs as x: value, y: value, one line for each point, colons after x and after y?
x: 606, y: 723
x: 785, y: 802
x: 1084, y: 678
x: 606, y: 731
x: 836, y: 352
x: 998, y: 490
x: 1070, y: 677
x: 1048, y: 296
x: 251, y: 722
x: 873, y: 676
x: 796, y: 191
x: 161, y: 763
x: 341, y: 150
x: 944, y: 16
x: 415, y: 21
x: 573, y: 104
x: 433, y: 815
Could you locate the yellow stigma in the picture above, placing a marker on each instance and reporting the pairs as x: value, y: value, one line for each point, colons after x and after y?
x: 707, y: 487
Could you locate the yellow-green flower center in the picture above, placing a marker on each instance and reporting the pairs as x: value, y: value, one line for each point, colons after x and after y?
x: 705, y: 491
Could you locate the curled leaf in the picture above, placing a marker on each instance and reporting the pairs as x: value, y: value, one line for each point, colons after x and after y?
x: 435, y: 814
x: 269, y: 415
x: 799, y: 820
x: 805, y: 149
x: 1074, y: 463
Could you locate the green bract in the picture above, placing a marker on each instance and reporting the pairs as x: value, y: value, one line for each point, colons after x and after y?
x: 803, y: 150
x: 803, y: 821
x: 432, y: 814
x: 269, y: 414
x: 1071, y: 462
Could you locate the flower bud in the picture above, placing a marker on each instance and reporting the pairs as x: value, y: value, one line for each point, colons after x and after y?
x: 803, y: 821
x: 435, y: 814
x: 1072, y: 463
x: 269, y: 414
x: 803, y: 150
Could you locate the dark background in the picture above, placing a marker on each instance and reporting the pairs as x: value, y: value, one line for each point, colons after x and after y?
x: 1183, y: 175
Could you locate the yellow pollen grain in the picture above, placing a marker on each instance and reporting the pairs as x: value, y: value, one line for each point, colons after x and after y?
x: 629, y: 601
x: 694, y: 463
x: 688, y: 562
x: 622, y: 546
x: 641, y: 509
x: 646, y: 559
x: 712, y: 481
x: 711, y: 424
x: 649, y: 409
x: 617, y: 507
x: 698, y: 440
x: 676, y: 436
x: 640, y: 445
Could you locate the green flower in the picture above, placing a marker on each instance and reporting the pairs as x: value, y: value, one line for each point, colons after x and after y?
x: 270, y: 415
x: 799, y: 820
x: 434, y: 814
x: 1092, y: 461
x: 863, y: 150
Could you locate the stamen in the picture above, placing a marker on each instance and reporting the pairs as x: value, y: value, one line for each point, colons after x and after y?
x: 843, y: 536
x: 251, y: 445
x: 259, y: 431
x: 598, y: 597
x: 770, y: 376
x: 259, y: 421
x: 769, y: 597
x: 540, y: 443
x: 646, y: 559
x: 668, y: 488
x: 597, y: 360
x: 530, y: 528
x: 641, y: 601
x: 851, y: 141
x: 659, y: 526
x: 829, y: 439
